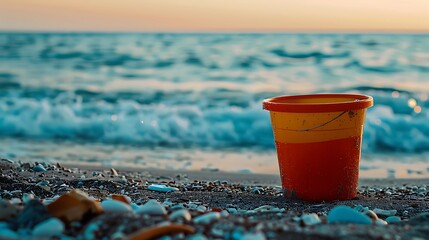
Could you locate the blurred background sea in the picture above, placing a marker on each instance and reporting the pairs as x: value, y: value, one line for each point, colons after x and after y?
x: 193, y: 101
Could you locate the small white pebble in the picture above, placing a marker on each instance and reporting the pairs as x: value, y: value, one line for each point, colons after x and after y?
x: 113, y: 206
x: 311, y: 219
x: 152, y: 207
x: 181, y: 214
x: 207, y: 218
x: 380, y: 222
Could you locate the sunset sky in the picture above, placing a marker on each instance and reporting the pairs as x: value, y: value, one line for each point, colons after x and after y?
x: 215, y: 15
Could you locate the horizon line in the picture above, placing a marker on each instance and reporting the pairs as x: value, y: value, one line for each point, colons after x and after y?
x: 274, y: 31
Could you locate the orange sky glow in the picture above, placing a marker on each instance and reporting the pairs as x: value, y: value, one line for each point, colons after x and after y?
x: 215, y: 15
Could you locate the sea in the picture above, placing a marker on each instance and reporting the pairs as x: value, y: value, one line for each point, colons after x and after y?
x: 192, y: 101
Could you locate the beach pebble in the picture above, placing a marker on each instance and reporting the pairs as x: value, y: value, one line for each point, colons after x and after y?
x: 232, y: 210
x: 310, y: 219
x: 177, y: 207
x: 201, y: 209
x: 361, y: 208
x: 371, y: 214
x: 152, y: 207
x: 39, y: 168
x: 27, y: 197
x: 167, y: 202
x: 344, y: 214
x: 380, y: 222
x: 113, y: 172
x: 224, y: 213
x: 6, y: 233
x: 161, y: 188
x: 207, y: 218
x: 49, y: 228
x: 393, y: 219
x: 114, y: 206
x: 385, y: 212
x: 266, y: 208
x: 181, y: 214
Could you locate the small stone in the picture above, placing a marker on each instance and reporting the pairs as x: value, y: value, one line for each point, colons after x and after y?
x: 393, y: 219
x: 385, y: 212
x: 192, y: 206
x: 361, y: 208
x: 380, y: 222
x: 177, y: 207
x: 181, y: 214
x: 201, y: 208
x: 114, y: 206
x: 39, y: 168
x: 122, y: 198
x: 152, y: 207
x: 161, y: 188
x: 232, y: 210
x: 48, y: 228
x: 344, y: 214
x: 266, y: 208
x: 207, y: 218
x: 27, y: 197
x: 167, y: 202
x: 224, y: 213
x: 113, y: 172
x: 310, y: 219
x: 371, y: 214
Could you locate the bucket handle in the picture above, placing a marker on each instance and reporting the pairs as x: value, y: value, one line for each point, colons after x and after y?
x: 323, y: 124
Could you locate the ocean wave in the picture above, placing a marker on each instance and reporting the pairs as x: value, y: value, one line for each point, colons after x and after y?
x: 183, y: 120
x: 311, y: 54
x: 379, y: 68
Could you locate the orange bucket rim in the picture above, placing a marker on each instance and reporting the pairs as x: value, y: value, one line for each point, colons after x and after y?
x: 281, y: 104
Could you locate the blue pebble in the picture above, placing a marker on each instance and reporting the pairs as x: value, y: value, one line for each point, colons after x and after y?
x: 393, y: 219
x: 39, y: 168
x: 161, y: 188
x: 344, y: 214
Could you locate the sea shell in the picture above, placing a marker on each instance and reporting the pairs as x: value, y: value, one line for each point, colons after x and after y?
x: 73, y: 205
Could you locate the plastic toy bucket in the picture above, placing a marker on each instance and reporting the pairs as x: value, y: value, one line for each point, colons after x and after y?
x: 318, y: 141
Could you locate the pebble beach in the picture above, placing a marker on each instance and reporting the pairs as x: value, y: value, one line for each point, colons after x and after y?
x: 51, y: 201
